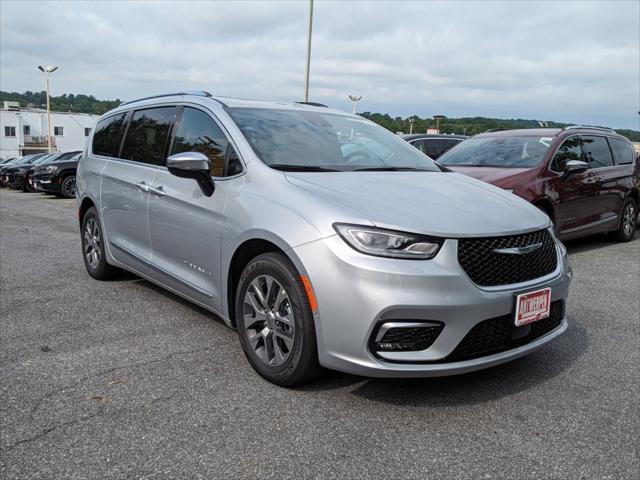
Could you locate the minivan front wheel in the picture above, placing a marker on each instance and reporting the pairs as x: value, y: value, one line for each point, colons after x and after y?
x: 93, y: 249
x: 628, y: 220
x: 275, y: 322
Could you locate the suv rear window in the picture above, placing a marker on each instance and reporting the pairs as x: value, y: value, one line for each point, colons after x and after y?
x: 147, y: 135
x: 597, y: 150
x: 108, y: 135
x: 623, y: 151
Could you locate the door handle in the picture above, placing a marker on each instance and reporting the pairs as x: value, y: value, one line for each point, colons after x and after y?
x: 157, y: 191
x: 143, y: 186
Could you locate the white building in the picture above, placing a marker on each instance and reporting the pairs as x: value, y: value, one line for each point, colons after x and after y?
x: 24, y: 130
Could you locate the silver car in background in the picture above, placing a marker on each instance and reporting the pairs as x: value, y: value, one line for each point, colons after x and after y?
x: 324, y: 239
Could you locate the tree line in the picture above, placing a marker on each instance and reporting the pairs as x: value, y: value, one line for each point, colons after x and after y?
x: 461, y: 126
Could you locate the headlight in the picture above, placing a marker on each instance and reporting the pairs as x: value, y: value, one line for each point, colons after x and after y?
x: 52, y: 169
x: 388, y: 243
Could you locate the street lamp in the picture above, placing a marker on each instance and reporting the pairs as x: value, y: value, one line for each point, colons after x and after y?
x: 308, y: 65
x: 48, y: 70
x: 411, y: 122
x: 354, y: 100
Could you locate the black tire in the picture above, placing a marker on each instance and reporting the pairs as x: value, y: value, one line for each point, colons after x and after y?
x: 301, y: 364
x: 68, y: 187
x: 628, y: 221
x: 93, y: 240
x: 26, y: 187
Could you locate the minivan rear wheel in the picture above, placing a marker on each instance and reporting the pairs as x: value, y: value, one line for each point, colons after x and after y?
x: 275, y: 322
x: 628, y: 220
x: 93, y: 249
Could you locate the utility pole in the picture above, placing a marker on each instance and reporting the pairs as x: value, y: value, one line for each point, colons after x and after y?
x: 308, y: 65
x: 47, y: 70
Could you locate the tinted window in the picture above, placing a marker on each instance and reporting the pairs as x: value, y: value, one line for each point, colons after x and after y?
x: 418, y: 144
x: 147, y: 134
x: 198, y: 132
x: 569, y: 150
x: 437, y: 146
x: 108, y: 135
x: 598, y: 152
x: 622, y: 151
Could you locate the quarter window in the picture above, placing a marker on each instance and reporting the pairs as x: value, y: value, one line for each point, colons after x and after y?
x: 9, y: 131
x: 198, y: 132
x: 597, y: 150
x: 147, y: 134
x: 108, y: 136
x: 623, y: 151
x: 569, y: 150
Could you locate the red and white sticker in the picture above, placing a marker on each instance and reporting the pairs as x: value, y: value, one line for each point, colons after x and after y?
x: 533, y: 306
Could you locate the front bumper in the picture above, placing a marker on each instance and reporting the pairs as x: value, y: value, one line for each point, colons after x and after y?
x: 45, y: 183
x: 357, y: 292
x: 15, y: 180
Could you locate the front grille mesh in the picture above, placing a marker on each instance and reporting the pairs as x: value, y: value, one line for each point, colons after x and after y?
x: 408, y: 339
x: 500, y: 334
x: 488, y: 268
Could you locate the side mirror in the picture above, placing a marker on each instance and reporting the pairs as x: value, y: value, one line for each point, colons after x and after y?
x: 193, y: 165
x: 575, y: 166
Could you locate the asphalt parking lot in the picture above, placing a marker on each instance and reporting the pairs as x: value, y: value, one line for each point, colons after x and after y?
x: 124, y: 380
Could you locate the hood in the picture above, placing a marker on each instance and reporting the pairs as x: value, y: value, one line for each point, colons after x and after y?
x: 441, y: 204
x: 493, y: 175
x: 61, y: 165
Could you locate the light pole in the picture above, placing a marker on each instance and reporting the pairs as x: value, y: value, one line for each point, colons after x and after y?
x: 308, y: 65
x: 411, y: 122
x: 48, y: 70
x: 354, y: 100
x: 437, y: 118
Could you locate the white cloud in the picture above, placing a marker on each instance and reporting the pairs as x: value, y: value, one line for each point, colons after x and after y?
x: 565, y: 61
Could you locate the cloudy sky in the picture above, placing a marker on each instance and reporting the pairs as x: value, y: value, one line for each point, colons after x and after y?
x: 566, y: 61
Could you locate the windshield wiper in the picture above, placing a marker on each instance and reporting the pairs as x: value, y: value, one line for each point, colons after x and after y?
x: 301, y: 168
x: 390, y: 169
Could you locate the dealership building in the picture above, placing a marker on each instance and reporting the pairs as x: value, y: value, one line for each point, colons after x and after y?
x: 24, y: 130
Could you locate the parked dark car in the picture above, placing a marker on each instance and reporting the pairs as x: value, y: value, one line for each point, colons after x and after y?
x: 17, y: 176
x: 57, y: 176
x: 433, y: 145
x: 584, y: 178
x: 4, y: 165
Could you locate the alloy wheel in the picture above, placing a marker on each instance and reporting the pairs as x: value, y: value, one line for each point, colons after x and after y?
x: 69, y: 187
x: 268, y: 320
x: 629, y: 220
x: 92, y: 243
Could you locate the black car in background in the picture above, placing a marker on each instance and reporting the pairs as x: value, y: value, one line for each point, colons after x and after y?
x: 433, y: 145
x: 57, y: 176
x: 4, y: 164
x: 14, y: 176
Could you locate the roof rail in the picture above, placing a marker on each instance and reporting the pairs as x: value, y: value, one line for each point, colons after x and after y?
x: 313, y: 104
x: 199, y: 93
x: 575, y: 127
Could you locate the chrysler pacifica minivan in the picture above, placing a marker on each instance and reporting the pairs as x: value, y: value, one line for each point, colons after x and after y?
x: 322, y: 238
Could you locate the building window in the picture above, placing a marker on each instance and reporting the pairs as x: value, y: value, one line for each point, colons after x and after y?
x: 87, y: 131
x: 9, y: 131
x: 26, y: 129
x: 58, y: 131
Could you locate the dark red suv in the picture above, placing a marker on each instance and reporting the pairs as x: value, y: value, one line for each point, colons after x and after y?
x: 586, y: 179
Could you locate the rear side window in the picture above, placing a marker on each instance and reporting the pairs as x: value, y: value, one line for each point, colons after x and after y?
x: 569, y: 150
x: 419, y: 145
x: 623, y: 151
x: 198, y: 132
x: 147, y: 135
x: 598, y: 152
x: 436, y: 147
x: 108, y: 135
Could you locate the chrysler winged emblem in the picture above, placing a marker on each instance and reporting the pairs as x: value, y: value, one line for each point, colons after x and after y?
x: 519, y: 250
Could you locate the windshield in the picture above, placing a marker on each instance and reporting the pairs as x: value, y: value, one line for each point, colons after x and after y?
x: 313, y: 141
x: 507, y: 152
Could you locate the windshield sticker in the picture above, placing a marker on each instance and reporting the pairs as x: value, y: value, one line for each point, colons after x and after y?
x: 546, y: 141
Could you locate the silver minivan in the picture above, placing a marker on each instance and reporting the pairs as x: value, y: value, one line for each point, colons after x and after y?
x: 322, y: 238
